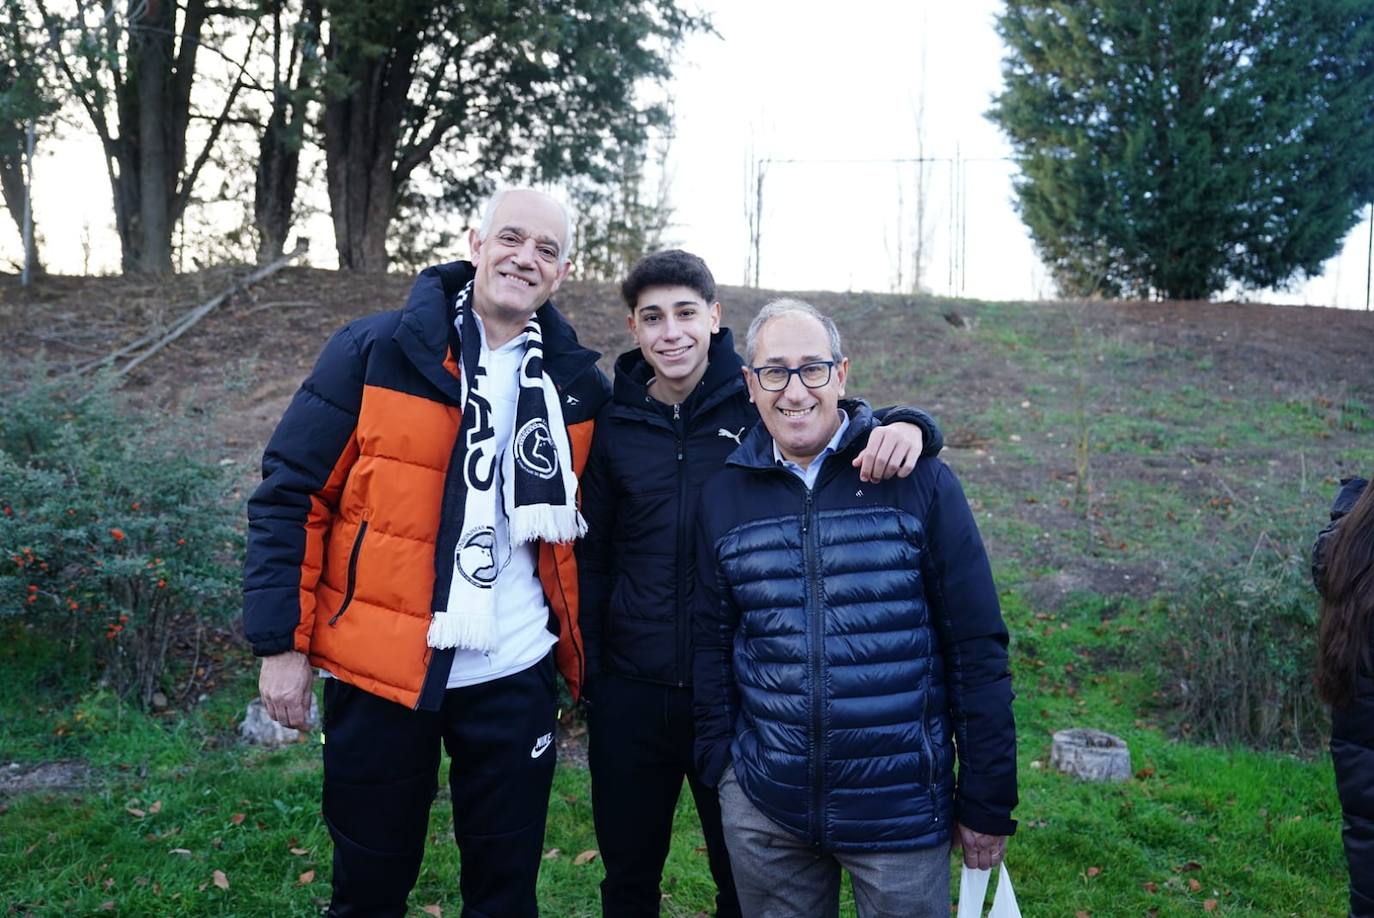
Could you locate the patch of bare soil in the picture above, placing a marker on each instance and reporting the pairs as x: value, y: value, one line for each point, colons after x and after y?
x: 44, y: 776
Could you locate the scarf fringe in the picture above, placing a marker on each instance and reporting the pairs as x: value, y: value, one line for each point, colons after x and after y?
x: 470, y: 631
x: 547, y: 523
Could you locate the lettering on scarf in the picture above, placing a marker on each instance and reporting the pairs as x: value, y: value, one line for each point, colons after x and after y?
x: 480, y: 468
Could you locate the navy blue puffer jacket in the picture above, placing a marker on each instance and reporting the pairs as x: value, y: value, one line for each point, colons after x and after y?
x: 848, y: 642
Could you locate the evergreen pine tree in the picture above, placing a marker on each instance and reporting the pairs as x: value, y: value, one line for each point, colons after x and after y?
x: 1172, y: 148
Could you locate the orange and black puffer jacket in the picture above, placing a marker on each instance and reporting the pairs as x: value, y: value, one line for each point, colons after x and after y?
x: 351, y: 533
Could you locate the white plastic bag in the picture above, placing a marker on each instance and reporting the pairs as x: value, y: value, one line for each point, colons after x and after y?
x: 973, y: 887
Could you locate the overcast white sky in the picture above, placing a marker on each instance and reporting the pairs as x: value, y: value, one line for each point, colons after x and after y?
x: 835, y: 85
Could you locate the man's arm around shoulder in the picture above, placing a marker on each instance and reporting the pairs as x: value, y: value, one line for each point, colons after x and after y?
x: 903, y: 436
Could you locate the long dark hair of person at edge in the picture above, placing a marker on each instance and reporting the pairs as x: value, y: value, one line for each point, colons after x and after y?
x: 1347, y: 610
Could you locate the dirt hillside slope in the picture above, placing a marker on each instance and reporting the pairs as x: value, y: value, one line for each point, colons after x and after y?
x: 1197, y: 402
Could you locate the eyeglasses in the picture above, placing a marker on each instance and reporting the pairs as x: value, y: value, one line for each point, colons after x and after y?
x: 813, y: 375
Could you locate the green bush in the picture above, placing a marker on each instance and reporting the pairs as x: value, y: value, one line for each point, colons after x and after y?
x: 115, y: 528
x: 1240, y: 650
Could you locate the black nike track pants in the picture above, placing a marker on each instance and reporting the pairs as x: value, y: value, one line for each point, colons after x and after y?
x: 380, y: 766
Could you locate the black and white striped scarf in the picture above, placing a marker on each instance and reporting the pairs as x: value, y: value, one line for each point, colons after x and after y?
x: 538, y: 489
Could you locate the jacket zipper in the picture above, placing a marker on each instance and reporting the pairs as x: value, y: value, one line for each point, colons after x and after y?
x: 352, y: 568
x: 679, y: 618
x: 929, y: 750
x: 816, y: 621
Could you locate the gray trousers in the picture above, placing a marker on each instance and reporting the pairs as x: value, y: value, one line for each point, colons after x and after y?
x: 777, y: 875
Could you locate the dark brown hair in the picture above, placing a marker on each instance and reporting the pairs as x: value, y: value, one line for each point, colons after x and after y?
x: 669, y: 268
x: 1347, y: 609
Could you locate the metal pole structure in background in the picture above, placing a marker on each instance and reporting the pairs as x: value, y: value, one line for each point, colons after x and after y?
x: 758, y: 219
x: 963, y: 223
x: 1369, y: 259
x: 27, y: 273
x: 958, y: 204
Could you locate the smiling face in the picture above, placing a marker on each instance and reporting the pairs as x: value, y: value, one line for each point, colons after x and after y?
x: 800, y: 420
x: 673, y: 328
x: 519, y: 264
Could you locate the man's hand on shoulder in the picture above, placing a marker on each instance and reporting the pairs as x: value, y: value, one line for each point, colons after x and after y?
x: 981, y: 852
x: 284, y: 684
x: 892, y: 450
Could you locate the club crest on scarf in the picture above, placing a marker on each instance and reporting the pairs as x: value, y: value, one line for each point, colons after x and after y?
x: 534, y: 449
x: 475, y: 557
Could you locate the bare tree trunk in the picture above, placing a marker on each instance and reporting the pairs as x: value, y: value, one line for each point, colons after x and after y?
x: 361, y: 131
x: 144, y: 134
x: 279, y: 149
x: 150, y: 53
x: 275, y: 187
x: 14, y: 188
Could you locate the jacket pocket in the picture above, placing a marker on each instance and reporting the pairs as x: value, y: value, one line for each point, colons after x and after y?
x: 352, y: 569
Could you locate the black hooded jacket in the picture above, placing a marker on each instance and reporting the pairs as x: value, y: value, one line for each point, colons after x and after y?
x: 639, y: 496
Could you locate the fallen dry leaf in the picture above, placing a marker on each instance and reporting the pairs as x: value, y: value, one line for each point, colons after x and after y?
x: 306, y: 878
x: 1209, y: 905
x: 1082, y: 915
x: 135, y: 811
x: 585, y: 857
x: 1194, y: 885
x: 551, y: 854
x: 181, y: 851
x: 156, y: 807
x: 220, y: 879
x: 1094, y: 871
x: 434, y: 910
x: 237, y: 819
x: 107, y: 906
x: 1150, y: 887
x: 1191, y: 865
x: 300, y: 852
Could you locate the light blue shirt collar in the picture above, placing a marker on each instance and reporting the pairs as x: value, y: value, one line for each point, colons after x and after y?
x: 808, y: 474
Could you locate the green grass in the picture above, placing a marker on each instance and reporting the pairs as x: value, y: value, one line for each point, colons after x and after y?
x: 175, y: 799
x: 1262, y: 830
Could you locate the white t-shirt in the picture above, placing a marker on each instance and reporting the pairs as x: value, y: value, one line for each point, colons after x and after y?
x: 522, y: 612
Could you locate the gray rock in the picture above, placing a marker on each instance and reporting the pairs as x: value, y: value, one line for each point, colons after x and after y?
x: 260, y: 730
x: 1091, y: 755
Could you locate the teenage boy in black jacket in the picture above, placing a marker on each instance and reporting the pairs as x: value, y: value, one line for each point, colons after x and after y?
x: 679, y: 408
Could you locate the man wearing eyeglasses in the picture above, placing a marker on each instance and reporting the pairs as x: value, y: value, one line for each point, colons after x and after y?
x: 679, y: 407
x: 849, y: 650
